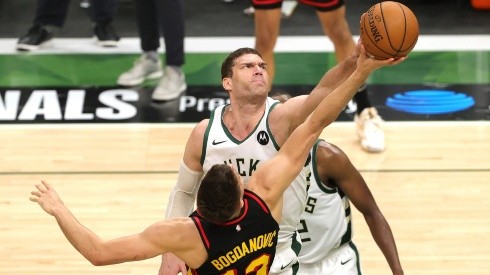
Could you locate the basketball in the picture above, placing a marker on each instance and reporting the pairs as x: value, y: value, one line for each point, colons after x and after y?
x: 389, y: 29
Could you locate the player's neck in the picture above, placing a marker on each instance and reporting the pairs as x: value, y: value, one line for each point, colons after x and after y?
x: 241, y: 122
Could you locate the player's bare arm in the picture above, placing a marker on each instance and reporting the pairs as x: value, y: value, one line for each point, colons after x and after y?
x: 274, y: 176
x: 153, y: 241
x: 302, y: 106
x: 334, y: 163
x: 179, y: 235
x: 193, y: 147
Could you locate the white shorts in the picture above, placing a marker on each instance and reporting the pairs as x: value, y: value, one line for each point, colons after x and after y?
x: 343, y: 260
x: 286, y: 259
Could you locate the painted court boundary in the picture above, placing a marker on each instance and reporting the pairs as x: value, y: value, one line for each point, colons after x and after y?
x: 190, y: 125
x: 131, y: 45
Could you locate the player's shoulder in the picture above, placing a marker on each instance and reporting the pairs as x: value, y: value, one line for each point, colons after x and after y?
x: 329, y: 151
x: 288, y: 110
x: 201, y: 127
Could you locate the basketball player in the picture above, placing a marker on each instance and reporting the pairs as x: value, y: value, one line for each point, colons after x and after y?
x: 245, y: 133
x: 233, y: 230
x: 326, y: 224
x: 331, y: 13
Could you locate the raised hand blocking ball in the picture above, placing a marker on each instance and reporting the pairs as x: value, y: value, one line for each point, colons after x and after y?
x: 389, y: 29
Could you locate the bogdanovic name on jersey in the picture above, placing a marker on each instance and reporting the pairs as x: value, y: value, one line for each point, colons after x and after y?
x: 245, y: 167
x: 252, y: 245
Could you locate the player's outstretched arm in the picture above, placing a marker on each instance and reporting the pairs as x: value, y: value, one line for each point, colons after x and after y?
x: 299, y: 107
x: 150, y: 243
x: 274, y: 176
x: 178, y: 235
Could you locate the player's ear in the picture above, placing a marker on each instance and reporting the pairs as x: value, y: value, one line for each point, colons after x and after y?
x: 226, y: 82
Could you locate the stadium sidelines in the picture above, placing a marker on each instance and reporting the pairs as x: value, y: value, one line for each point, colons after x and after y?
x: 131, y: 45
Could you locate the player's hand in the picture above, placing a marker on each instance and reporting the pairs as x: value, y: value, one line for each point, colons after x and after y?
x: 358, y: 47
x: 366, y: 64
x: 171, y: 265
x: 46, y: 197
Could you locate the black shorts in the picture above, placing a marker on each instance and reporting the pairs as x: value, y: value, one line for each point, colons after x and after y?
x: 321, y: 5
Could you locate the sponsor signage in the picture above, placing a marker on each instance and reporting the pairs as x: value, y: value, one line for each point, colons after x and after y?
x: 122, y: 105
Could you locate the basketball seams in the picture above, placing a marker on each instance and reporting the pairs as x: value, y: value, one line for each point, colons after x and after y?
x: 396, y: 50
x: 414, y: 42
x: 373, y: 43
x: 387, y: 28
x: 404, y: 29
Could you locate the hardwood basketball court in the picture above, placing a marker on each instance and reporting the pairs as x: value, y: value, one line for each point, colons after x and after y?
x: 432, y: 184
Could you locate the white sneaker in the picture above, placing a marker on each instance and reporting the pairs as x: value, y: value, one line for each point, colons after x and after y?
x: 171, y: 85
x: 368, y: 126
x: 143, y: 69
x: 249, y: 11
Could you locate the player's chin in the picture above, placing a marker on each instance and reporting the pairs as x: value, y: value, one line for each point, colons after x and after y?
x: 260, y: 86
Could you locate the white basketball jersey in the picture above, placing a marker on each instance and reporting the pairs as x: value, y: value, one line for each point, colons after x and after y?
x: 247, y: 155
x: 326, y: 221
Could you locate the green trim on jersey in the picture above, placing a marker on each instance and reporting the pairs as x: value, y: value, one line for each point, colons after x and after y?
x: 318, y: 180
x: 354, y: 247
x: 269, y: 129
x: 206, y: 135
x: 347, y: 236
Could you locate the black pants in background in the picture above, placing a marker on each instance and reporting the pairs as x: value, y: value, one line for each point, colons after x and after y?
x: 165, y: 18
x: 54, y: 12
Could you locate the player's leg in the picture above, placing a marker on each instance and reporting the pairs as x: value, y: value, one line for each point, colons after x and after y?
x: 336, y: 27
x: 267, y: 25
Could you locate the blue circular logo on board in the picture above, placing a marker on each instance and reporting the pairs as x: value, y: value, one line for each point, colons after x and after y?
x: 429, y: 102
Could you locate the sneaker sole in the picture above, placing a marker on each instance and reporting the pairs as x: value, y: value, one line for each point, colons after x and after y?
x: 29, y: 48
x: 372, y: 149
x: 138, y: 81
x: 166, y: 97
x: 106, y: 44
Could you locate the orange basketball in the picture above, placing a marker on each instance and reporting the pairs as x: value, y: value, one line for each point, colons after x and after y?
x: 389, y: 29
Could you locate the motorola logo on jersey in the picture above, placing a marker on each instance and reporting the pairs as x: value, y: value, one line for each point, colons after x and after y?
x: 263, y: 138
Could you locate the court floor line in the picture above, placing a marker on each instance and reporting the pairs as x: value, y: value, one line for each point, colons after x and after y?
x: 190, y: 125
x: 156, y: 172
x: 131, y: 45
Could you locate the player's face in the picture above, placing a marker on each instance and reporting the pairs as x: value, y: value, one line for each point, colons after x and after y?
x: 250, y: 74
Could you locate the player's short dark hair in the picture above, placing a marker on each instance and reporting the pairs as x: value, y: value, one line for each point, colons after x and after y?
x: 219, y: 195
x: 227, y: 65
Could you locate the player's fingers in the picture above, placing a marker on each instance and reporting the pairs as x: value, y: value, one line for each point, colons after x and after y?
x: 46, y: 184
x: 35, y: 195
x: 398, y: 60
x: 40, y: 188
